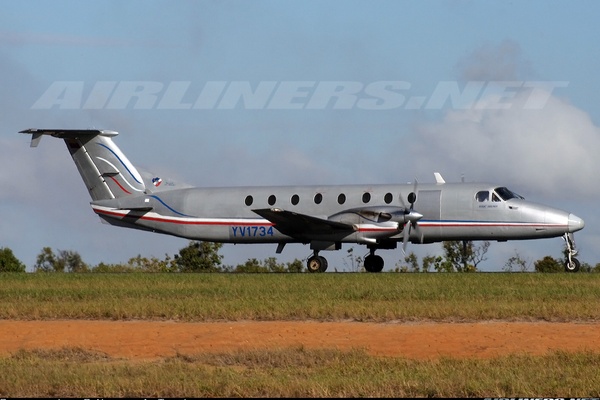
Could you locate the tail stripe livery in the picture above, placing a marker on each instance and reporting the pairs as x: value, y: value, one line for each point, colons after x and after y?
x: 124, y: 162
x: 110, y: 175
x: 119, y: 185
x: 107, y: 173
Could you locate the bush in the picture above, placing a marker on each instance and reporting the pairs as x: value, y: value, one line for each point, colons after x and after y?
x: 548, y: 264
x: 8, y: 261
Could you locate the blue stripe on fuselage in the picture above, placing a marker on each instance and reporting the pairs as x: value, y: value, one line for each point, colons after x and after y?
x: 169, y: 207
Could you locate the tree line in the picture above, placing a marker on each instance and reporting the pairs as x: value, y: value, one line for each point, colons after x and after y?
x: 200, y: 256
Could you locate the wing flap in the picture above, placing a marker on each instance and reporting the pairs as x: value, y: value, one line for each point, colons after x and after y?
x: 302, y: 225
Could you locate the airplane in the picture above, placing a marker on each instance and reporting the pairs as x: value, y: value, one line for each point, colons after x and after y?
x: 323, y: 217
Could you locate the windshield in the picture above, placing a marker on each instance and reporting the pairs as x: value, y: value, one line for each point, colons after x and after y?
x: 506, y: 194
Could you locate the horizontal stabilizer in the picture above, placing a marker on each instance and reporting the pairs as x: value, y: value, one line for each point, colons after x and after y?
x: 36, y: 134
x: 69, y: 133
x: 128, y: 203
x: 143, y: 209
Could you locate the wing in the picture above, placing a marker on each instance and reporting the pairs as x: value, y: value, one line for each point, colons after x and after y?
x: 302, y: 226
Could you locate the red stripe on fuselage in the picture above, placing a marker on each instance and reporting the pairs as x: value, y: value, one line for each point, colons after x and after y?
x: 181, y: 222
x: 225, y: 222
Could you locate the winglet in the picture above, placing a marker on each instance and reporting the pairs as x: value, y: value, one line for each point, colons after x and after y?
x: 438, y: 178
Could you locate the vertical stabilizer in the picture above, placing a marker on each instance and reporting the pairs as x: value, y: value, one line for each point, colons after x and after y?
x: 107, y: 173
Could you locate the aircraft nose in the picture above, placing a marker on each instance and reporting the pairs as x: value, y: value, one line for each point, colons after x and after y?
x: 575, y: 223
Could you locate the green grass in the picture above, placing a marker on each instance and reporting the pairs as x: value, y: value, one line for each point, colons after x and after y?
x: 330, y: 296
x: 296, y: 373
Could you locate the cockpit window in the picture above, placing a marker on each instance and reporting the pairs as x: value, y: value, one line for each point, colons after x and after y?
x: 496, y: 195
x: 506, y: 194
x: 482, y: 196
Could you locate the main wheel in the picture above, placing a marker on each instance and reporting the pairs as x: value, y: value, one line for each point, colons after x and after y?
x: 572, y: 266
x: 316, y: 264
x: 373, y: 263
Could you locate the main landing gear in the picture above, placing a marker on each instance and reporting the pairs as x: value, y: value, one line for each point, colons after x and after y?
x: 372, y: 263
x: 572, y: 264
x: 316, y: 263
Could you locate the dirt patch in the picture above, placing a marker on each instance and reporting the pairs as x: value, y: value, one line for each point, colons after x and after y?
x: 146, y: 340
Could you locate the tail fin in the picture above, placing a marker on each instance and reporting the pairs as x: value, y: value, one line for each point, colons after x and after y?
x: 106, y: 171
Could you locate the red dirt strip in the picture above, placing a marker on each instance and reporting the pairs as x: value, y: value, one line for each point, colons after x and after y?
x: 147, y: 340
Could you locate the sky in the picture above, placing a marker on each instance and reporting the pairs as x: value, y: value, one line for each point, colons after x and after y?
x: 239, y: 93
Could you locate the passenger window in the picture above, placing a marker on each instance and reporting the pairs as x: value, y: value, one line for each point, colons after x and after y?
x: 272, y: 199
x: 388, y: 198
x: 295, y: 199
x: 341, y: 198
x: 366, y: 197
x: 482, y: 196
x: 248, y: 200
x: 318, y: 198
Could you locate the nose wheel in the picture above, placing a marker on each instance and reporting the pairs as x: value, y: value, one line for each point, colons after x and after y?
x: 572, y: 264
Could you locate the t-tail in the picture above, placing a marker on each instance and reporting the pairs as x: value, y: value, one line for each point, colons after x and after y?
x: 106, y: 171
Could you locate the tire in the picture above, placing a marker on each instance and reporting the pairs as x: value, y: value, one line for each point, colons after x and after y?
x: 316, y: 264
x: 374, y: 263
x: 323, y: 264
x: 573, y: 266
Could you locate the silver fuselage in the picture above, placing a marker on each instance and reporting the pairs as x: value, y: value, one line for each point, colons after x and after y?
x: 451, y: 211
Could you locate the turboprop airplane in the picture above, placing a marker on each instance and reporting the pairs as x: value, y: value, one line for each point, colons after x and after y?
x: 322, y: 216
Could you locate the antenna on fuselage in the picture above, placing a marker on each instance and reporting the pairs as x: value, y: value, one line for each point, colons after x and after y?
x: 438, y: 178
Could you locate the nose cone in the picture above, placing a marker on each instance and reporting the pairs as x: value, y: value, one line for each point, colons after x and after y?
x: 575, y: 223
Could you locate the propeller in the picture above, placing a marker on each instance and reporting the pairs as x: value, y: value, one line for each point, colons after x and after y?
x: 411, y: 217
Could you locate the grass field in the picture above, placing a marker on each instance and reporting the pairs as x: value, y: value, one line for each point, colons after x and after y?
x: 331, y: 296
x: 299, y: 372
x: 296, y: 373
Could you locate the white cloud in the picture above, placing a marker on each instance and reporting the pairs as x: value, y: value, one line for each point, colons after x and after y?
x: 552, y: 150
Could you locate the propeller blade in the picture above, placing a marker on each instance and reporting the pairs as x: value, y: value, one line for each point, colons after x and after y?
x: 411, y: 217
x: 405, y: 237
x: 412, y: 197
x: 403, y: 203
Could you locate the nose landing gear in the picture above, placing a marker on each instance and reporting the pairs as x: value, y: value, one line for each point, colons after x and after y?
x: 572, y: 264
